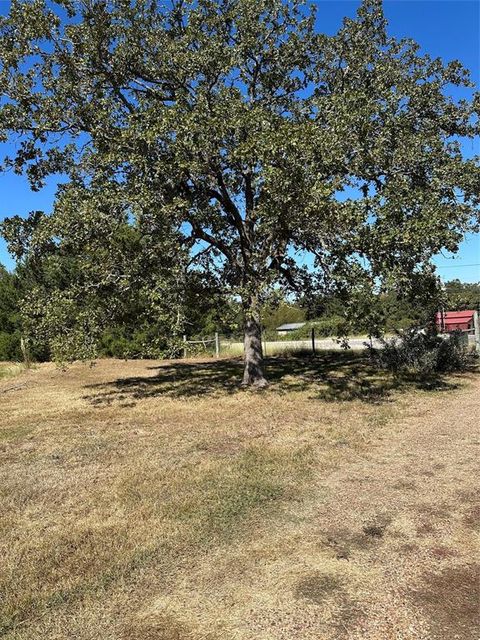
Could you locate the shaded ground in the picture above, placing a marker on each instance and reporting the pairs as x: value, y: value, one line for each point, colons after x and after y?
x: 329, y: 376
x: 157, y: 501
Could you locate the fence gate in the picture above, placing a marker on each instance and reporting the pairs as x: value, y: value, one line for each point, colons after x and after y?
x: 204, y: 342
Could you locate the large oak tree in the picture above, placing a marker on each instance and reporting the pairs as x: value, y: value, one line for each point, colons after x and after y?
x: 235, y: 137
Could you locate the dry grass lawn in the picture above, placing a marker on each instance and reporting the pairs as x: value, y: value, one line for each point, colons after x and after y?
x: 158, y: 501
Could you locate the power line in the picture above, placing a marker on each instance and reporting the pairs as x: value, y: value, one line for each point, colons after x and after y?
x: 457, y: 266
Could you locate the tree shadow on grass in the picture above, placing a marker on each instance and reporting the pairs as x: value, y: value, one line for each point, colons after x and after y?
x: 330, y: 376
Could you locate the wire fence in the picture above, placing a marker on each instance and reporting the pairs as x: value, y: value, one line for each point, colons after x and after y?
x: 227, y: 346
x: 198, y: 344
x: 218, y: 345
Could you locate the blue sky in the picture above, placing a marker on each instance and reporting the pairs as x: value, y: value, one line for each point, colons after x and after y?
x: 449, y: 29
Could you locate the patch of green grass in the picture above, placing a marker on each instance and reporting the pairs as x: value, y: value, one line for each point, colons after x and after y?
x: 214, y: 502
x: 221, y: 500
x: 381, y: 416
x: 10, y: 369
x: 13, y: 434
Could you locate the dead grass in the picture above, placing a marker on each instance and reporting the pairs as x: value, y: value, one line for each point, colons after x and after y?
x: 146, y: 500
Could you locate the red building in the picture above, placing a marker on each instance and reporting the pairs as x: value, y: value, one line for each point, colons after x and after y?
x: 448, y: 321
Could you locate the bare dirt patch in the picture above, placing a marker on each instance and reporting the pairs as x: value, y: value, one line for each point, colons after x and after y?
x: 329, y: 592
x: 451, y: 600
x: 472, y: 517
x: 160, y: 628
x: 317, y: 587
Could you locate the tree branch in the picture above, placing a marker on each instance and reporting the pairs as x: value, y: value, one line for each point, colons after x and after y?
x: 236, y: 218
x: 201, y: 234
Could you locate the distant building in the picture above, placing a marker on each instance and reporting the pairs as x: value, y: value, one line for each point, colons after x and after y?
x: 287, y: 328
x: 448, y: 321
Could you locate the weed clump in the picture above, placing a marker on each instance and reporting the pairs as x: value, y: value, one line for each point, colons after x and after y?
x: 424, y: 353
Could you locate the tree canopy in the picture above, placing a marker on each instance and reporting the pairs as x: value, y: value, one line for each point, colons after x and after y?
x: 462, y: 295
x: 231, y: 137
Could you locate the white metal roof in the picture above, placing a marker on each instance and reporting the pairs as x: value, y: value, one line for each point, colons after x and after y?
x: 290, y: 326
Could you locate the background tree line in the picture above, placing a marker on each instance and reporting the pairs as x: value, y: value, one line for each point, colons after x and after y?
x: 140, y: 333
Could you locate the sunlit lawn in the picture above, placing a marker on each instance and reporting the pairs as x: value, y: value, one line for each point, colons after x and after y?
x: 157, y: 500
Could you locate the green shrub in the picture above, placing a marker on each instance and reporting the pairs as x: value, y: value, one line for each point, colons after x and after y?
x: 398, y: 324
x: 10, y: 346
x: 115, y: 344
x: 325, y: 327
x: 421, y: 352
x: 146, y: 342
x: 333, y: 326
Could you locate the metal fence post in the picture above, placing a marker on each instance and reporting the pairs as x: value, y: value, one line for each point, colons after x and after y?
x: 313, y: 340
x: 476, y: 324
x: 217, y: 345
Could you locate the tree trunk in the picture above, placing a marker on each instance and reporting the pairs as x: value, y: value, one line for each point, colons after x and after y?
x: 253, y: 353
